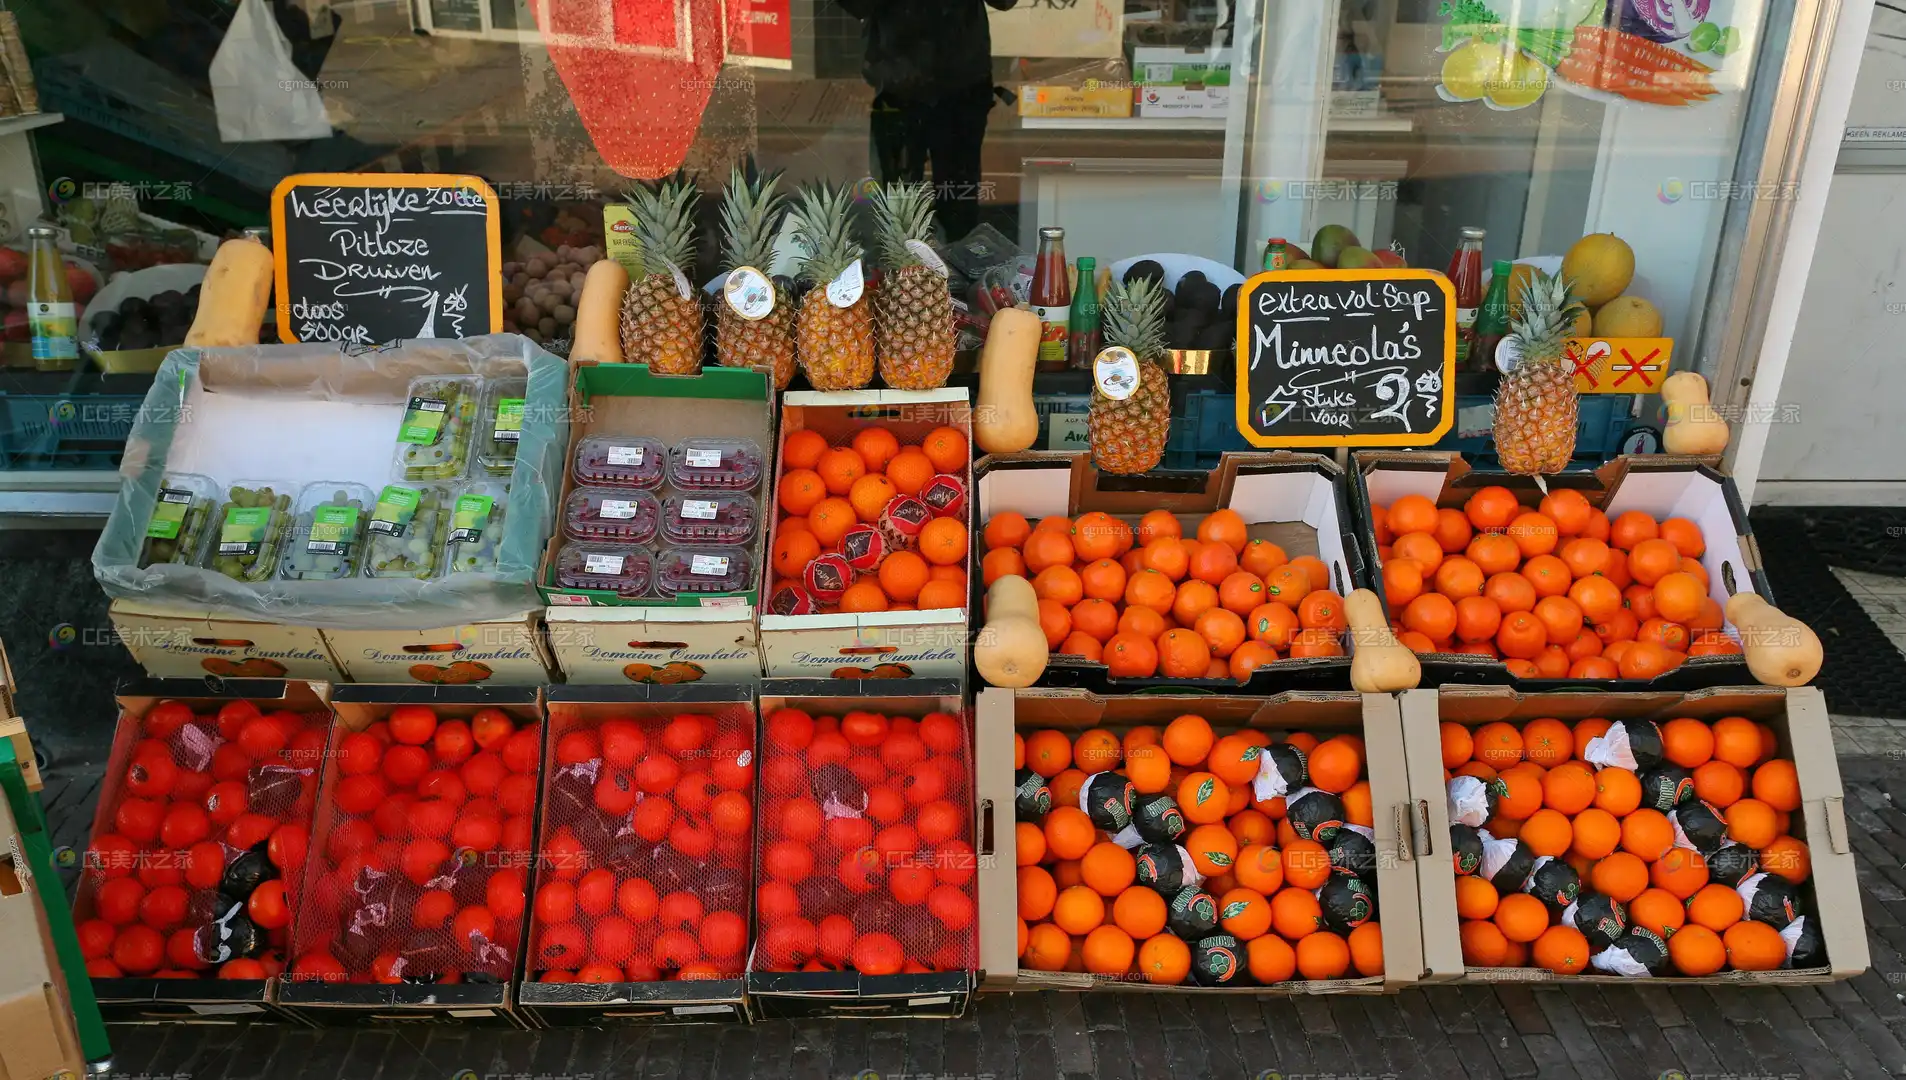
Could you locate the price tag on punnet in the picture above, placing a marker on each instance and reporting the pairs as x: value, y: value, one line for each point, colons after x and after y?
x: 1330, y: 358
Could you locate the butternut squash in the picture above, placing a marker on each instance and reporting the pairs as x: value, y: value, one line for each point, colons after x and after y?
x: 1003, y: 418
x: 1379, y: 664
x: 234, y: 295
x: 598, y: 330
x: 1781, y: 650
x: 1694, y: 428
x: 1010, y: 649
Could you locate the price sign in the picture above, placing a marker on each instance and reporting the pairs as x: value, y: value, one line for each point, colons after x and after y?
x: 1346, y: 358
x: 369, y: 258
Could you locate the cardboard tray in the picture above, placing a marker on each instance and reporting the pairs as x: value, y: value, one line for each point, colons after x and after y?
x: 604, y: 1005
x: 1662, y: 486
x: 796, y: 995
x: 888, y: 645
x: 1799, y: 719
x: 1400, y: 838
x: 1294, y: 500
x: 184, y: 1001
x: 36, y: 1005
x: 342, y: 1004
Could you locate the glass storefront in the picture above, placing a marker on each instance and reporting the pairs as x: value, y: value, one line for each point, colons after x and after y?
x: 1185, y: 132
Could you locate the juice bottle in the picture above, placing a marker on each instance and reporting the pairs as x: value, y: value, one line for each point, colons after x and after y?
x: 51, y: 318
x: 1083, y: 337
x: 1051, y: 298
x: 1277, y: 254
x: 1492, y: 320
x: 1465, y: 276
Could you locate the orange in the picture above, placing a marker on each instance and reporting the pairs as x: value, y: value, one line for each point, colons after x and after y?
x: 870, y: 495
x: 1594, y: 667
x: 1596, y: 833
x: 1037, y: 891
x: 1150, y: 589
x: 1069, y: 832
x: 1103, y: 579
x: 1411, y: 513
x: 1065, y: 789
x: 1494, y: 553
x: 1547, y: 832
x: 1335, y: 765
x: 910, y: 470
x: 1597, y: 527
x: 1306, y: 864
x: 1716, y: 907
x: 1356, y: 805
x: 1458, y: 746
x: 1222, y: 630
x: 999, y: 562
x: 1251, y: 826
x: 1260, y: 557
x: 1203, y: 798
x: 1288, y: 585
x: 1415, y: 642
x: 947, y: 449
x: 1168, y: 556
x: 1078, y: 910
x: 1048, y: 752
x: 1483, y: 944
x: 1658, y: 910
x: 1270, y: 959
x: 1584, y: 557
x: 1548, y: 574
x: 1212, y: 563
x: 1056, y: 583
x: 1492, y: 508
x: 1248, y: 658
x: 1421, y: 549
x: 1452, y: 531
x: 1777, y: 784
x: 793, y: 551
x: 1323, y: 955
x: 1096, y: 535
x: 1510, y: 591
x: 1212, y: 848
x: 1752, y: 822
x: 1139, y: 911
x: 1687, y: 742
x: 1679, y: 873
x: 1107, y: 950
x: 1188, y: 740
x: 1047, y: 948
x: 1096, y: 618
x: 1366, y: 949
x: 1568, y: 508
x: 1754, y: 946
x: 1521, y: 635
x: 1009, y: 528
x: 1521, y: 917
x: 1679, y: 597
x: 800, y: 490
x: 1148, y: 768
x: 1631, y: 528
x: 903, y: 574
x: 1534, y: 533
x: 1568, y: 788
x: 1548, y: 743
x: 830, y: 519
x: 1164, y: 959
x: 1647, y: 833
x: 943, y: 541
x: 1498, y: 745
x: 1295, y: 913
x: 1097, y: 750
x: 1475, y: 897
x: 1644, y: 660
x: 1044, y: 548
x: 1787, y: 857
x: 1244, y: 913
x: 1194, y: 598
x: 839, y: 467
x: 1651, y: 560
x: 1561, y: 949
x: 1620, y: 875
x: 1156, y: 524
x: 1433, y: 615
x: 1402, y: 582
x: 863, y: 596
x: 1685, y: 535
x: 1595, y: 597
x: 1458, y: 577
x: 1243, y: 592
x: 1719, y: 783
x: 1225, y: 527
x: 1696, y: 951
x: 1260, y: 867
x: 1234, y: 758
x: 1617, y: 791
x: 802, y: 449
x: 940, y: 593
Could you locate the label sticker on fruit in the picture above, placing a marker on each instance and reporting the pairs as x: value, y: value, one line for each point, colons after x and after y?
x: 703, y: 458
x: 471, y: 517
x: 1115, y: 372
x: 925, y: 253
x: 509, y: 420
x: 168, y: 518
x: 423, y: 421
x: 603, y: 564
x: 699, y: 509
x: 618, y: 509
x: 708, y: 565
x: 845, y: 291
x: 625, y: 455
x: 681, y: 282
x: 332, y: 530
x: 396, y: 505
x: 749, y: 293
x: 244, y: 530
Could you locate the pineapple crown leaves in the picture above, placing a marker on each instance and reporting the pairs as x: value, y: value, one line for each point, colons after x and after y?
x: 1133, y: 315
x: 824, y: 228
x: 902, y: 212
x: 665, y: 223
x: 751, y: 217
x: 1549, y: 309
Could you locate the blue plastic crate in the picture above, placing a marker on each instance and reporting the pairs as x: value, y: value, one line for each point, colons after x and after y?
x: 1207, y: 428
x: 1599, y: 425
x: 49, y: 431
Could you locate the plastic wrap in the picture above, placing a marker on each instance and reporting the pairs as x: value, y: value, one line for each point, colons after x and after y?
x: 296, y: 412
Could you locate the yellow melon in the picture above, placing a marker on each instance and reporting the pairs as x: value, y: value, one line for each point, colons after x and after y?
x: 1627, y: 316
x: 1599, y: 266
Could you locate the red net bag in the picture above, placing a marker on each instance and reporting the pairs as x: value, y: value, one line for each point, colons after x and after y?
x: 199, y: 841
x: 424, y: 832
x: 866, y: 860
x: 648, y: 824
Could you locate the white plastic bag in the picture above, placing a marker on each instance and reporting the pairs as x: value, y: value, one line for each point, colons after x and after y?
x: 260, y: 95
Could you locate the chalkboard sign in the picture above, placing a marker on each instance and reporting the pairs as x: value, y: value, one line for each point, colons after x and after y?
x: 369, y: 258
x: 1346, y: 358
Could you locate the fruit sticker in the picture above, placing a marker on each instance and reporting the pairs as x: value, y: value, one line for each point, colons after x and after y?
x: 471, y: 517
x: 244, y: 530
x: 749, y: 292
x: 168, y: 517
x: 423, y: 421
x: 1507, y: 55
x: 507, y: 425
x: 396, y: 506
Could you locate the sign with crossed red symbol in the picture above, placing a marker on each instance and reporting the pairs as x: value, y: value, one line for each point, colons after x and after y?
x: 1618, y: 365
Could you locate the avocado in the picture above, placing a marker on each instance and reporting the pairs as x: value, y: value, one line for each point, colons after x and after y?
x: 1144, y: 269
x: 1199, y: 295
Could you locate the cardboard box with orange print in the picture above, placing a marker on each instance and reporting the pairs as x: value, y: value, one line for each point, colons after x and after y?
x: 506, y: 652
x: 175, y: 643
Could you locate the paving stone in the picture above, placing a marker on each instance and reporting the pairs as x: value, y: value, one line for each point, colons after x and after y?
x: 1527, y: 1016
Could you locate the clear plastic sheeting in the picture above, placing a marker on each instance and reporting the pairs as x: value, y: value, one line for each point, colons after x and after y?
x: 303, y: 413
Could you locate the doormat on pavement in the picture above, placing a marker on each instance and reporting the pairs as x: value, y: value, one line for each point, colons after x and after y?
x: 1862, y: 672
x: 1871, y: 539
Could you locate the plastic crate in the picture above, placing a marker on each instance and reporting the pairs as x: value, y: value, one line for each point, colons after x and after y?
x: 48, y: 431
x: 1599, y: 426
x: 1206, y: 427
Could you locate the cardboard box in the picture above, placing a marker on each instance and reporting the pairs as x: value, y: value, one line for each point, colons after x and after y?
x: 7, y: 686
x: 1372, y: 716
x: 795, y: 995
x: 1182, y: 67
x: 505, y: 652
x: 148, y: 1000
x: 36, y: 1017
x: 473, y: 1001
x: 1293, y: 500
x: 1099, y: 102
x: 1659, y: 485
x: 575, y: 1004
x: 879, y: 645
x: 179, y: 644
x: 1799, y: 720
x: 1182, y: 101
x: 607, y: 646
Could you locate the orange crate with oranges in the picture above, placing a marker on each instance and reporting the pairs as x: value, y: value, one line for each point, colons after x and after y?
x: 866, y: 897
x: 869, y: 550
x: 1615, y: 578
x: 1606, y: 837
x: 1220, y: 579
x: 1164, y: 861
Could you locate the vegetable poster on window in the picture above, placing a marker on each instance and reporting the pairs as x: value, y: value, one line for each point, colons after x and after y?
x: 1508, y: 53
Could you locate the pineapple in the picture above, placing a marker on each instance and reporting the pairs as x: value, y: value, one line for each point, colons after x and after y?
x: 750, y: 218
x: 835, y: 345
x: 660, y: 326
x: 913, y: 312
x: 1536, y: 403
x: 1128, y: 436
